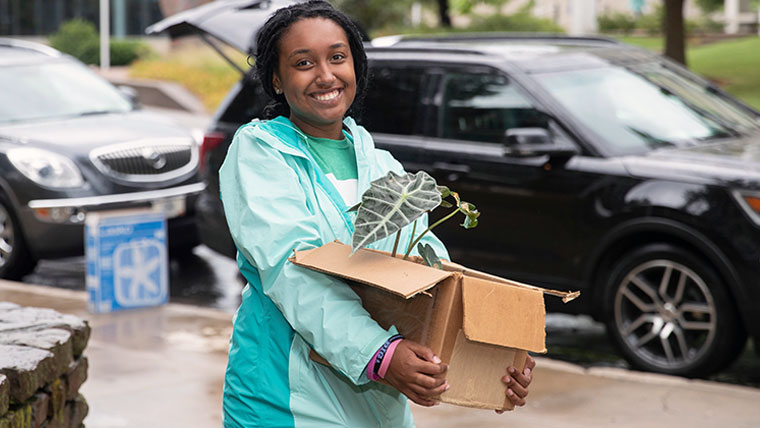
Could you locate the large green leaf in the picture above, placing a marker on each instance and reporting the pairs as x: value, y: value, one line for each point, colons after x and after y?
x: 392, y: 202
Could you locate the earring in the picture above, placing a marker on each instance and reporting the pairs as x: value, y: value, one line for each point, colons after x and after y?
x: 277, y: 91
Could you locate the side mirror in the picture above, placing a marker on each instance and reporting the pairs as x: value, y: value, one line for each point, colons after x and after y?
x: 131, y: 94
x: 532, y: 142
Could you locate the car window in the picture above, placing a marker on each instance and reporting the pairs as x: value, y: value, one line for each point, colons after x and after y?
x: 54, y: 90
x: 481, y: 107
x: 392, y: 104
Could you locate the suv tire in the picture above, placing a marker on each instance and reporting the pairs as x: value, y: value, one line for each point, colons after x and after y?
x: 668, y: 311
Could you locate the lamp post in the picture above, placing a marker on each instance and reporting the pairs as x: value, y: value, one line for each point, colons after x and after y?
x: 105, y: 31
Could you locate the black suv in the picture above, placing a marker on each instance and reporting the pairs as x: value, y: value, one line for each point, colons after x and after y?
x: 597, y: 166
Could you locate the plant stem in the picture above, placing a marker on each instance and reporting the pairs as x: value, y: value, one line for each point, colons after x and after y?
x: 411, y: 236
x: 395, y: 243
x: 411, y: 245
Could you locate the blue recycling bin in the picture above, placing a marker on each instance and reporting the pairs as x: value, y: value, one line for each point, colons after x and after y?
x: 127, y: 261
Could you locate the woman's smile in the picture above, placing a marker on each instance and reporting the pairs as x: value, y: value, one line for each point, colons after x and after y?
x: 328, y: 97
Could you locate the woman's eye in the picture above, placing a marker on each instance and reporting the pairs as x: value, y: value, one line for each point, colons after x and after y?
x: 338, y: 57
x: 303, y: 63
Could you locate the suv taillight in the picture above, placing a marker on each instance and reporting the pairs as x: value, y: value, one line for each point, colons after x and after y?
x: 211, y: 140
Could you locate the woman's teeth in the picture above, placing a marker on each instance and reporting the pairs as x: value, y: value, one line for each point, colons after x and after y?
x: 328, y: 96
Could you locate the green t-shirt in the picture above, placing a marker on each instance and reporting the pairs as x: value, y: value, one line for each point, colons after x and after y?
x: 337, y: 159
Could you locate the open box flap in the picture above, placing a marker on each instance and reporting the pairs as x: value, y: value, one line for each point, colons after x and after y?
x: 503, y: 315
x: 374, y: 268
x: 566, y: 296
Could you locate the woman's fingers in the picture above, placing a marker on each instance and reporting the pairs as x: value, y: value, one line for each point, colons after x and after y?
x: 429, y: 392
x: 514, y: 398
x: 515, y: 387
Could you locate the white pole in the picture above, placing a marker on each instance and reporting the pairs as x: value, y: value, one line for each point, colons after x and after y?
x: 105, y: 32
x: 732, y: 16
x: 416, y: 14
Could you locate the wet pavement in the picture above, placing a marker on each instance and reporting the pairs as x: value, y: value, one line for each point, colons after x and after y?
x: 208, y: 279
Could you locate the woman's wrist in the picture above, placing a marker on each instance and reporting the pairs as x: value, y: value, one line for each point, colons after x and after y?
x: 376, y: 368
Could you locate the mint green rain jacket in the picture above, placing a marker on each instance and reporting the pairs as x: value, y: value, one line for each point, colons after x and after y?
x: 277, y: 199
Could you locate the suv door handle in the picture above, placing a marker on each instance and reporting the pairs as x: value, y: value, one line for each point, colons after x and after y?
x: 457, y: 168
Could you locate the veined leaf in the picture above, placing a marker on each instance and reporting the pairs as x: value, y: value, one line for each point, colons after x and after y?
x: 392, y: 202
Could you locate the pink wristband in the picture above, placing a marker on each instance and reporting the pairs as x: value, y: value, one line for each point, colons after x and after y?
x: 387, y: 359
x: 370, y: 372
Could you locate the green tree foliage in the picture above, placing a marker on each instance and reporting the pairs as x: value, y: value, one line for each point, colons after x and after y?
x: 80, y: 39
x: 710, y: 5
x: 375, y: 14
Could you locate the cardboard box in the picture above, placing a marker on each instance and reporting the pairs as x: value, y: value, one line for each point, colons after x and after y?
x: 475, y: 322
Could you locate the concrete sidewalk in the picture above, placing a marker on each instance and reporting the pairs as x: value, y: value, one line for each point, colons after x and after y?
x: 164, y: 367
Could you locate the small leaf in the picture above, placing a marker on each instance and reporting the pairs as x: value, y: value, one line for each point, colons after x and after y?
x: 470, y: 222
x: 445, y: 191
x: 429, y: 256
x: 446, y: 204
x: 392, y: 202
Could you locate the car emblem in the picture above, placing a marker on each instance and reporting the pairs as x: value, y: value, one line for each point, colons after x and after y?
x: 156, y: 159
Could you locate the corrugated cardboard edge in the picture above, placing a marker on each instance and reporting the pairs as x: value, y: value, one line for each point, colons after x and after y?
x: 566, y: 296
x: 333, y: 259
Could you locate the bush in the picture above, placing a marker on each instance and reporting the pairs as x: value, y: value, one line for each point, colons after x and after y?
x: 80, y: 39
x: 651, y: 23
x: 617, y: 22
x: 519, y: 22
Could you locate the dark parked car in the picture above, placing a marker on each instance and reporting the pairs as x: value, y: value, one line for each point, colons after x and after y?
x: 596, y: 166
x: 71, y: 143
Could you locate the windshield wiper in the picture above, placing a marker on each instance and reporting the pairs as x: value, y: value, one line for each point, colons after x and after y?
x: 94, y: 112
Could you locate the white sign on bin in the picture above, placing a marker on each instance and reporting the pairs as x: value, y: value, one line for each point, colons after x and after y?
x: 127, y: 263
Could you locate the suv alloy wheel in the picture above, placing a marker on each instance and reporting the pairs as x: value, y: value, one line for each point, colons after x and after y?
x: 669, y: 312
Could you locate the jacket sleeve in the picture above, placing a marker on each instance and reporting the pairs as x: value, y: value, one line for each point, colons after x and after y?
x: 269, y: 216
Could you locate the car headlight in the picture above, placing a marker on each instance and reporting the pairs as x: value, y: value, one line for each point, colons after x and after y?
x: 45, y: 168
x: 750, y: 203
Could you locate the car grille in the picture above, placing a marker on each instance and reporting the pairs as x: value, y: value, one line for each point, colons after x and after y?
x: 144, y: 161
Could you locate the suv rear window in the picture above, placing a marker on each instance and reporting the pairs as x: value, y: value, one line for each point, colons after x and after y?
x: 392, y: 104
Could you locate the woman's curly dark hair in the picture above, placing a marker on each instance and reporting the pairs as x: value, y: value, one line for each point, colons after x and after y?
x: 267, y: 55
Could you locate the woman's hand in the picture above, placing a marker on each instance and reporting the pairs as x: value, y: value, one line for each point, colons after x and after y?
x: 517, y: 383
x: 412, y: 371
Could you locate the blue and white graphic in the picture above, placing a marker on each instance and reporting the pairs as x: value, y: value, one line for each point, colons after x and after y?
x: 127, y: 264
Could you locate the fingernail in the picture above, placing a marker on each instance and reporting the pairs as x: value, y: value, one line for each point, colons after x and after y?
x: 510, y: 392
x: 447, y: 387
x: 527, y: 372
x: 436, y: 359
x: 511, y: 370
x: 508, y: 380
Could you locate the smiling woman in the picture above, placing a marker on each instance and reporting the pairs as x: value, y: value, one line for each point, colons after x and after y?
x: 286, y: 184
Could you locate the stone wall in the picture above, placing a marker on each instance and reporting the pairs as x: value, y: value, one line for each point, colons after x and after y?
x: 41, y: 368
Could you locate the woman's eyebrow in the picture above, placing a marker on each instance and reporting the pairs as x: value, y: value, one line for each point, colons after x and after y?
x: 304, y: 51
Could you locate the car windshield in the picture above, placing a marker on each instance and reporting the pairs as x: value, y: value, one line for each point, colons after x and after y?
x: 55, y: 90
x: 646, y: 107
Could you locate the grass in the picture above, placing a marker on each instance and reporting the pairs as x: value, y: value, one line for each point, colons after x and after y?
x: 733, y: 64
